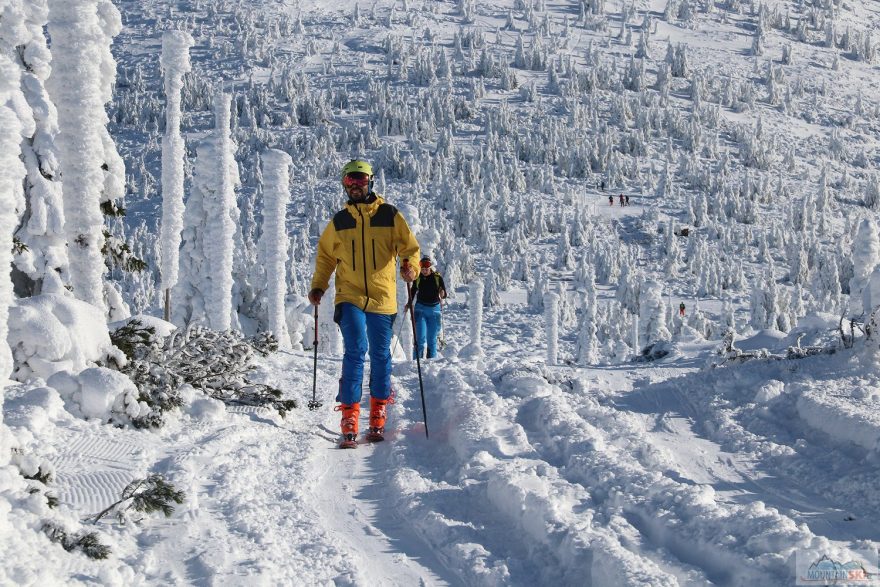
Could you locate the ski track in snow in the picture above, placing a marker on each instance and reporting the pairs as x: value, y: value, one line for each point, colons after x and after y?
x: 657, y: 475
x: 632, y: 474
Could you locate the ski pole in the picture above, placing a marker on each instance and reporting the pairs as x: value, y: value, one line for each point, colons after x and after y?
x: 315, y: 404
x: 418, y: 358
x: 399, y: 329
x: 442, y: 334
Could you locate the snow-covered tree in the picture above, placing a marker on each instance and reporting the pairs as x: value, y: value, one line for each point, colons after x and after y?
x: 587, y: 352
x: 699, y: 321
x: 204, y: 288
x: 759, y: 41
x: 273, y: 241
x: 551, y: 326
x: 536, y: 289
x: 40, y: 260
x: 672, y: 250
x: 12, y: 172
x: 564, y: 252
x: 491, y: 297
x: 865, y: 256
x: 653, y: 313
x: 475, y: 305
x: 83, y: 73
x: 175, y: 64
x: 872, y: 192
x: 764, y: 301
x: 871, y: 303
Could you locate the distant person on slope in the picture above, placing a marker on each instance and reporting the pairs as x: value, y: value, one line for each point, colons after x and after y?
x: 361, y: 244
x: 428, y: 290
x: 610, y: 200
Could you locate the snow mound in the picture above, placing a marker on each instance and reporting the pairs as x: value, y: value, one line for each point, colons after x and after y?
x: 51, y: 333
x: 35, y: 410
x: 98, y: 392
x: 206, y: 408
x: 846, y: 416
x: 814, y: 329
x: 769, y: 338
x: 769, y: 391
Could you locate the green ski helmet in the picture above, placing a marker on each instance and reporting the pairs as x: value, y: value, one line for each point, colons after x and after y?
x: 356, y: 165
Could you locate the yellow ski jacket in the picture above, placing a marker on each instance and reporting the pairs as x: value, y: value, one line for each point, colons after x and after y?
x: 361, y: 243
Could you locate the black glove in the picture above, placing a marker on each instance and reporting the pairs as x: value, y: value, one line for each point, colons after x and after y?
x: 315, y: 296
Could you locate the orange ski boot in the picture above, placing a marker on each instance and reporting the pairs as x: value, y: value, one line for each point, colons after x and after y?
x: 377, y: 419
x: 349, y: 424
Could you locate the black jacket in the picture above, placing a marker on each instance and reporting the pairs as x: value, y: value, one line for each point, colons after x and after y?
x: 426, y: 290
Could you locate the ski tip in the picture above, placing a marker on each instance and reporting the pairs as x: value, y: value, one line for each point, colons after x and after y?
x: 373, y: 437
x: 348, y: 441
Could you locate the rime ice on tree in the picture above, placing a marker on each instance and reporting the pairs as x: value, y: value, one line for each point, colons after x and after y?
x: 41, y: 258
x: 204, y: 288
x: 551, y: 321
x: 276, y: 193
x: 81, y: 83
x: 652, y: 313
x: 865, y: 256
x: 475, y: 304
x: 11, y: 173
x: 175, y: 63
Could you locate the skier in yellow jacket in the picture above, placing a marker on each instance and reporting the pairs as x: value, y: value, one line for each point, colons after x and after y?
x: 361, y: 244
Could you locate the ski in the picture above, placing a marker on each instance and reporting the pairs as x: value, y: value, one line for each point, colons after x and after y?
x: 348, y: 441
x: 377, y: 435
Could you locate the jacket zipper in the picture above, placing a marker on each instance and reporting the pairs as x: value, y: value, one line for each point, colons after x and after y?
x: 364, y: 252
x: 353, y: 260
x: 374, y: 254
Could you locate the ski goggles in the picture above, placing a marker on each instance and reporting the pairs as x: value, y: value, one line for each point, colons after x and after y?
x: 424, y: 264
x: 356, y: 179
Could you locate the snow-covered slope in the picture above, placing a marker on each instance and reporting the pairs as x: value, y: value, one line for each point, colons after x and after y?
x: 607, y: 442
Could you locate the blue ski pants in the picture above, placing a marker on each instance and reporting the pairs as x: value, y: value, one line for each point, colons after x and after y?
x: 362, y: 332
x: 428, y: 320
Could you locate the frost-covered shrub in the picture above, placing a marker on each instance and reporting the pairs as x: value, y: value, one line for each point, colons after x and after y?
x: 216, y: 363
x: 50, y: 333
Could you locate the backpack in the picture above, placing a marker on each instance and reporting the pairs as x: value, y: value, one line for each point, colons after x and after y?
x: 436, y: 280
